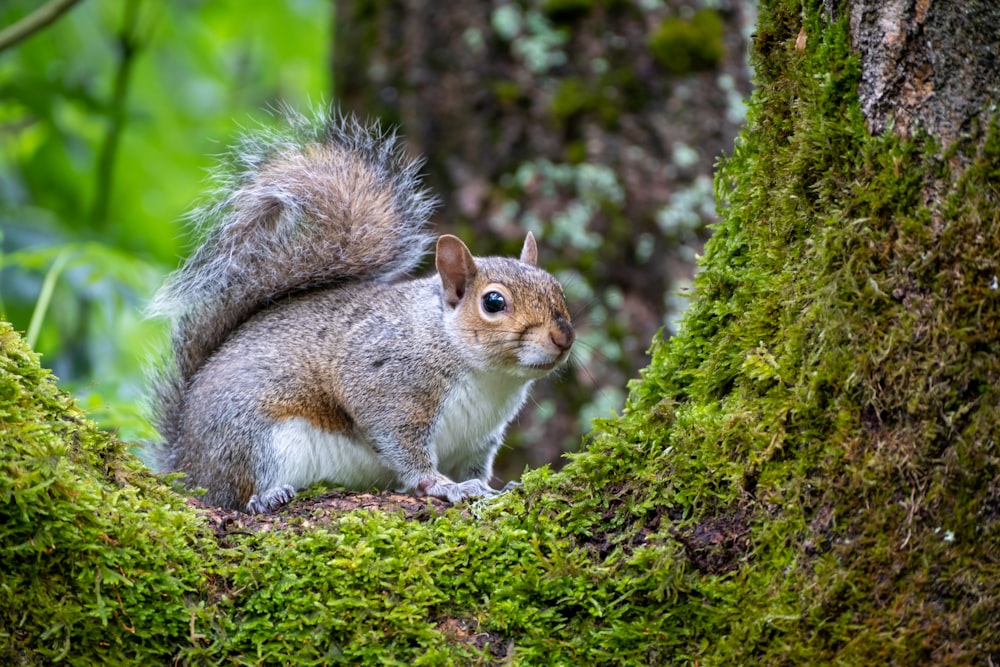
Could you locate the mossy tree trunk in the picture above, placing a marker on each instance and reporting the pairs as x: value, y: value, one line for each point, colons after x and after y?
x: 836, y: 388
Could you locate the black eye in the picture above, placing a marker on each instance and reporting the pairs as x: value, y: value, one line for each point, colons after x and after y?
x: 493, y: 302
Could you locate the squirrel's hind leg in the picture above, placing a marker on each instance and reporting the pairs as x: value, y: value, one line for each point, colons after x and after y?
x: 270, y: 500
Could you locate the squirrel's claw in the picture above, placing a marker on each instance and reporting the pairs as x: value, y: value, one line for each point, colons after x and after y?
x: 454, y: 492
x: 270, y: 500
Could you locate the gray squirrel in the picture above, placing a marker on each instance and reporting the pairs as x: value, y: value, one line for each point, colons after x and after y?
x: 303, y: 352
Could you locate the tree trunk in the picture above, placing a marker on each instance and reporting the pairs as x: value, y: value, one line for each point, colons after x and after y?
x: 832, y: 402
x: 928, y: 66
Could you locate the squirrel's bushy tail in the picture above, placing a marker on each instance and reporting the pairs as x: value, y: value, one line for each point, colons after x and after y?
x: 323, y: 200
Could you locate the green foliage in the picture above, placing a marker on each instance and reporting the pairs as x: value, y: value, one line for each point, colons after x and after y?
x: 571, y: 98
x: 507, y: 92
x: 689, y: 45
x: 102, y: 285
x: 110, y: 119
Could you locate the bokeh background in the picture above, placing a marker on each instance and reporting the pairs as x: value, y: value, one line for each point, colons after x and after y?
x: 593, y: 123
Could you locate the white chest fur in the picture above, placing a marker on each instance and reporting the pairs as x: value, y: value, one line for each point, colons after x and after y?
x: 476, y: 408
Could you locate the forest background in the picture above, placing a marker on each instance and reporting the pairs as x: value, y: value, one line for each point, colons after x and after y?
x: 596, y: 125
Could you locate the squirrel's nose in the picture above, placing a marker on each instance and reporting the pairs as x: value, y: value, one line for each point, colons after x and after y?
x: 562, y: 335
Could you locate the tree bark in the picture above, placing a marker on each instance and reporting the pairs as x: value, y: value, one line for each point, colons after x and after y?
x: 928, y: 65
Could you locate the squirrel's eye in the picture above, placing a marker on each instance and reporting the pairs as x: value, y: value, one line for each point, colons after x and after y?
x: 493, y: 302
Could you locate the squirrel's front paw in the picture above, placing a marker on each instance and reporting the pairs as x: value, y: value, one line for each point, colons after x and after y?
x: 271, y: 499
x: 455, y: 491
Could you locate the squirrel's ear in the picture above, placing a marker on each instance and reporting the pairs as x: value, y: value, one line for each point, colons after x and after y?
x: 529, y: 253
x: 456, y: 267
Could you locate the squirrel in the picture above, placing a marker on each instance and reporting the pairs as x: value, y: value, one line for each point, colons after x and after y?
x: 303, y: 351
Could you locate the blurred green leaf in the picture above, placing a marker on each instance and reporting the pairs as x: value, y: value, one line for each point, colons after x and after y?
x: 198, y: 72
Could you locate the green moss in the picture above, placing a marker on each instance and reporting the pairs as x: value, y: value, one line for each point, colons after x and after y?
x: 572, y: 97
x: 101, y: 562
x: 508, y: 92
x: 575, y: 97
x: 682, y: 46
x: 832, y: 378
x: 576, y: 152
x: 98, y: 561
